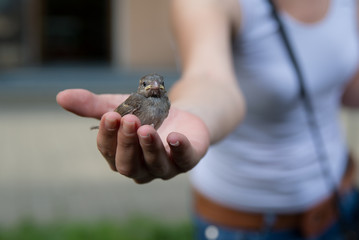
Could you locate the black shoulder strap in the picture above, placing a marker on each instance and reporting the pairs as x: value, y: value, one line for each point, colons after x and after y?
x: 282, y: 32
x: 313, y: 125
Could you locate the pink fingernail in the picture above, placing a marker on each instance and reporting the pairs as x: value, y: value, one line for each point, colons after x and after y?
x: 174, y: 144
x: 147, y: 139
x: 129, y: 127
x: 110, y: 124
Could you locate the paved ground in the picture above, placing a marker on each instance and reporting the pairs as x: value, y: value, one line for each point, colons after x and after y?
x: 50, y: 168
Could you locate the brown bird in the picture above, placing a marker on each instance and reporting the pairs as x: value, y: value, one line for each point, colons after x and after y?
x: 150, y: 103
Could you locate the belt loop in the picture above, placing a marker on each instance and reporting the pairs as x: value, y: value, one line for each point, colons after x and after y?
x: 269, y: 220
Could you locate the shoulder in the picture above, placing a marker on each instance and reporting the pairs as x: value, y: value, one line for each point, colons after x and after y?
x: 203, y: 28
x: 227, y: 10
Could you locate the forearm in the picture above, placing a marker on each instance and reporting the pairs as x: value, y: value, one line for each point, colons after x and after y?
x: 220, y: 106
x: 351, y: 94
x: 208, y: 87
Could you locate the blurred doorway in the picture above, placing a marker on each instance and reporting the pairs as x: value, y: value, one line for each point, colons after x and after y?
x: 76, y: 31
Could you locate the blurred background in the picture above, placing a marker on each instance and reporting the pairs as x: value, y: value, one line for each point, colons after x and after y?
x: 50, y: 169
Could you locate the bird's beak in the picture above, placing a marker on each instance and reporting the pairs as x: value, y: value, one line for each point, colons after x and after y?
x: 154, y: 86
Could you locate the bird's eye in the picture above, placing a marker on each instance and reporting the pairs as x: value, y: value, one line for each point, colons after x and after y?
x: 144, y: 84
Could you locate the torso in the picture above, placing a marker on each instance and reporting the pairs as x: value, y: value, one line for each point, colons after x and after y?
x: 271, y: 153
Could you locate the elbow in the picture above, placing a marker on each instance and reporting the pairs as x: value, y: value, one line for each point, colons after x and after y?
x: 239, y: 108
x: 233, y: 116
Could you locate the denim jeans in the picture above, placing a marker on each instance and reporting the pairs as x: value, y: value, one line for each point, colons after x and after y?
x: 208, y: 231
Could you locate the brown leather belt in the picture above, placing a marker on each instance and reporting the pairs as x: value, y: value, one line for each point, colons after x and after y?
x: 315, y: 219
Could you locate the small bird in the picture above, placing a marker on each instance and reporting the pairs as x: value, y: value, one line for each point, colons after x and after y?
x: 150, y: 103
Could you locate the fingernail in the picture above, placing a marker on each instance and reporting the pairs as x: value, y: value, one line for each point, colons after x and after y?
x: 128, y: 127
x: 110, y: 124
x: 174, y: 143
x: 147, y: 139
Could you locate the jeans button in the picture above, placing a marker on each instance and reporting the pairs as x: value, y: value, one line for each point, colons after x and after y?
x: 211, y: 232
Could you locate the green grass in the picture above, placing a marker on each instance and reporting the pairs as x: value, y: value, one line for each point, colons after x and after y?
x: 134, y: 229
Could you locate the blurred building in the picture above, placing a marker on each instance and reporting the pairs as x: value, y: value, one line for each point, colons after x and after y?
x: 123, y: 33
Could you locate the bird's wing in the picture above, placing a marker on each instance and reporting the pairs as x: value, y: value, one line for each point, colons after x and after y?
x: 129, y: 106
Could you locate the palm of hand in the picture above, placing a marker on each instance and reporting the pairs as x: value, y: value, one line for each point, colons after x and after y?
x: 189, y: 125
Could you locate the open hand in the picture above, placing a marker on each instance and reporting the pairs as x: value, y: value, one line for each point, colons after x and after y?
x: 141, y: 152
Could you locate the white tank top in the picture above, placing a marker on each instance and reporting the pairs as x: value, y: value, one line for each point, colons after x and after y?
x: 269, y: 163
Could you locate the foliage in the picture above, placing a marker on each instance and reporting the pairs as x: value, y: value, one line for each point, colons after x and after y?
x: 134, y: 229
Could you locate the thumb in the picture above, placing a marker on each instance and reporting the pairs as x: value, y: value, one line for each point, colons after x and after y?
x: 87, y: 104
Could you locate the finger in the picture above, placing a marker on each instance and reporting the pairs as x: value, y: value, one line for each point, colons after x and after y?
x: 144, y: 180
x: 107, y: 137
x: 128, y: 152
x: 87, y: 104
x: 182, y: 153
x: 154, y: 153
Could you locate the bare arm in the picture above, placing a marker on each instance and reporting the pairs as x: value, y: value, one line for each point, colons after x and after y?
x: 208, y: 87
x: 206, y: 103
x: 351, y: 94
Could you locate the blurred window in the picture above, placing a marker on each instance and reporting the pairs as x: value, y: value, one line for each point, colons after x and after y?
x: 76, y: 30
x: 10, y: 32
